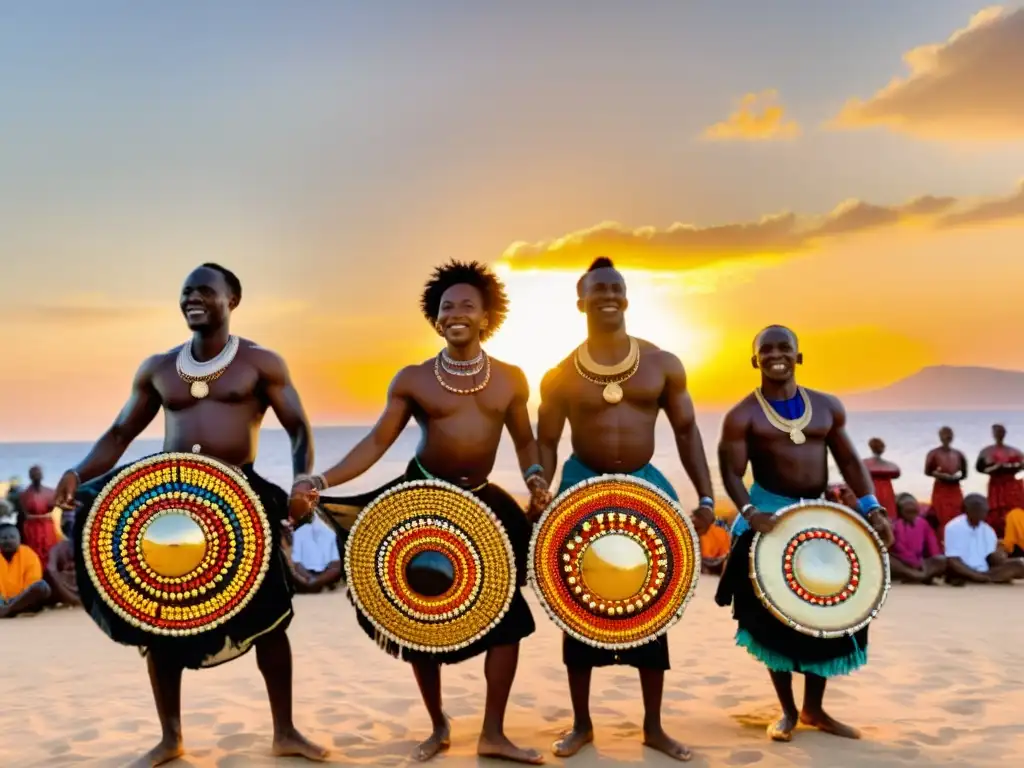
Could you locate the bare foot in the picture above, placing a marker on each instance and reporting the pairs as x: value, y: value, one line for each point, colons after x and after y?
x: 439, y: 741
x: 170, y: 748
x: 502, y: 749
x: 294, y: 744
x: 826, y: 724
x: 782, y: 730
x: 664, y: 743
x: 572, y: 742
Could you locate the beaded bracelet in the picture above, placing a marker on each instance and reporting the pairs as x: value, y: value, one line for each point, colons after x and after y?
x: 533, y: 469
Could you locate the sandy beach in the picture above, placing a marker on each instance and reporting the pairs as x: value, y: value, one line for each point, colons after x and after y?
x: 933, y: 694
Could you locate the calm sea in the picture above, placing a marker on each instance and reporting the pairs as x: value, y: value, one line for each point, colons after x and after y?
x: 908, y: 436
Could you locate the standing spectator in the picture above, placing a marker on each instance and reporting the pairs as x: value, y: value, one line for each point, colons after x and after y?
x: 37, y: 502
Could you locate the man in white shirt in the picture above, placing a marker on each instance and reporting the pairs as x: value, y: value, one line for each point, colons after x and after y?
x: 973, y: 551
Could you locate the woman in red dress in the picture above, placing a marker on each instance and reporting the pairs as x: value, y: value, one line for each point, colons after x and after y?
x: 39, y: 531
x: 948, y: 467
x: 882, y: 473
x: 1002, y: 463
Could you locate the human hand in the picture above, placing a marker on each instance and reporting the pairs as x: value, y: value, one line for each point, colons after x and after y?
x: 762, y: 522
x: 880, y: 522
x: 703, y: 518
x: 540, y: 498
x: 64, y: 493
x: 303, y: 499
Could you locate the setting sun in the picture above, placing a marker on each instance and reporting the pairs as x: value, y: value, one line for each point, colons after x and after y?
x: 544, y: 325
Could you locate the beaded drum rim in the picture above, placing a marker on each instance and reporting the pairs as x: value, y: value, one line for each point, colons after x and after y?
x: 772, y: 557
x: 469, y: 564
x: 262, y: 547
x: 690, y: 548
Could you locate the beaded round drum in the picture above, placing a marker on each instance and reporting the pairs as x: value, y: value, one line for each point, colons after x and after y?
x: 823, y: 570
x: 430, y: 566
x: 614, y: 561
x: 177, y: 544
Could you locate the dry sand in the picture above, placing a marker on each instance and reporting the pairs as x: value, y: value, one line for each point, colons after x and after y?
x: 939, y: 690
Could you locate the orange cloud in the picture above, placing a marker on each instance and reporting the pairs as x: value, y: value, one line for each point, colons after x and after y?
x: 967, y: 88
x: 988, y: 211
x: 690, y: 247
x: 758, y: 117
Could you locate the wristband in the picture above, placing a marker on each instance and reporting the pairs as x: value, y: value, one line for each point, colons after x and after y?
x: 868, y: 504
x: 707, y: 502
x: 745, y: 512
x: 78, y: 477
x: 533, y: 469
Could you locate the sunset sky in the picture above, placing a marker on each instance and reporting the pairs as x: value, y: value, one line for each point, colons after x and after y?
x: 851, y: 169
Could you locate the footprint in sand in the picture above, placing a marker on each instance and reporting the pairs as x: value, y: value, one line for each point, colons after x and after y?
x: 237, y: 741
x: 716, y: 680
x: 554, y: 714
x: 966, y: 707
x: 57, y: 747
x: 227, y: 729
x: 677, y: 694
x: 744, y: 757
x: 89, y: 734
x: 344, y: 740
x: 200, y: 718
x: 524, y: 699
x: 725, y: 701
x: 128, y: 726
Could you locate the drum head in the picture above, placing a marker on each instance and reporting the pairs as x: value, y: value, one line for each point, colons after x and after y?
x: 822, y: 570
x: 177, y: 544
x: 614, y: 561
x: 430, y: 566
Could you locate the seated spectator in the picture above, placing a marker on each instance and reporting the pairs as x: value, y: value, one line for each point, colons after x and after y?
x: 972, y: 548
x: 22, y: 589
x: 1013, y: 538
x: 315, y: 558
x: 714, y: 549
x: 915, y: 556
x: 60, y: 570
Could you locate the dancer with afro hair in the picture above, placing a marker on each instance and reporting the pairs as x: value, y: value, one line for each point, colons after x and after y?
x: 463, y: 400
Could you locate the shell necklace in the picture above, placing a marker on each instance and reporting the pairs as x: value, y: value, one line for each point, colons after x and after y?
x: 795, y: 427
x: 198, y: 375
x: 485, y: 367
x: 610, y: 376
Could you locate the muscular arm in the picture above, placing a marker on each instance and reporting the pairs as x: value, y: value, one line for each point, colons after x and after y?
x: 678, y: 406
x: 517, y: 421
x: 550, y: 422
x: 138, y: 413
x: 389, y: 426
x: 733, y: 457
x: 850, y: 466
x: 287, y: 406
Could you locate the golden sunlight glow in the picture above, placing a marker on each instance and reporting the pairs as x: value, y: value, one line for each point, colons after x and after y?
x: 544, y: 325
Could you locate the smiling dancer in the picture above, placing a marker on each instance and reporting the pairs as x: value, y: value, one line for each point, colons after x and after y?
x: 611, y: 391
x: 214, y: 390
x: 785, y: 432
x: 463, y: 400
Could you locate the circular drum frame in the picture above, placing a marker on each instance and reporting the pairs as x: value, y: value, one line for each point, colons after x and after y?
x: 657, y: 520
x: 778, y: 585
x: 472, y: 537
x: 220, y: 581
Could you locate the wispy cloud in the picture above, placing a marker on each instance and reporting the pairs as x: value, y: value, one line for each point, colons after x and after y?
x: 966, y: 88
x: 683, y: 246
x: 757, y: 117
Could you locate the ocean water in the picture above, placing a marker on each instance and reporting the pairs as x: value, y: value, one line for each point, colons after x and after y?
x: 908, y: 435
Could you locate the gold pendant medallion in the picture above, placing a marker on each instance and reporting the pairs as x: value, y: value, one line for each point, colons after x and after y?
x: 797, y: 436
x: 612, y: 393
x: 199, y: 389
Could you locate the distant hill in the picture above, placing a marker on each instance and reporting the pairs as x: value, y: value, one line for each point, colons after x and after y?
x: 946, y: 388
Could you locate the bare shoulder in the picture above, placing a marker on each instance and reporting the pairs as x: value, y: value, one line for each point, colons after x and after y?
x: 739, y: 416
x: 512, y: 373
x: 267, y: 361
x: 825, y: 400
x: 154, y: 363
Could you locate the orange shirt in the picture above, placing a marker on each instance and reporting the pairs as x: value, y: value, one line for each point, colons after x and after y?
x: 714, y: 543
x: 23, y: 570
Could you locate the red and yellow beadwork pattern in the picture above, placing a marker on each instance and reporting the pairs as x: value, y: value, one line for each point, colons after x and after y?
x: 614, y: 561
x: 812, y: 593
x: 430, y: 516
x: 177, y: 544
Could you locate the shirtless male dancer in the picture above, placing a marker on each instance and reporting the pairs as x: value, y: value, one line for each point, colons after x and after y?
x: 616, y: 436
x: 224, y: 425
x: 462, y: 399
x: 785, y: 433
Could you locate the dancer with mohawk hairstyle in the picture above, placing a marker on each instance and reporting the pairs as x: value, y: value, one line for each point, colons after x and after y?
x: 463, y: 400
